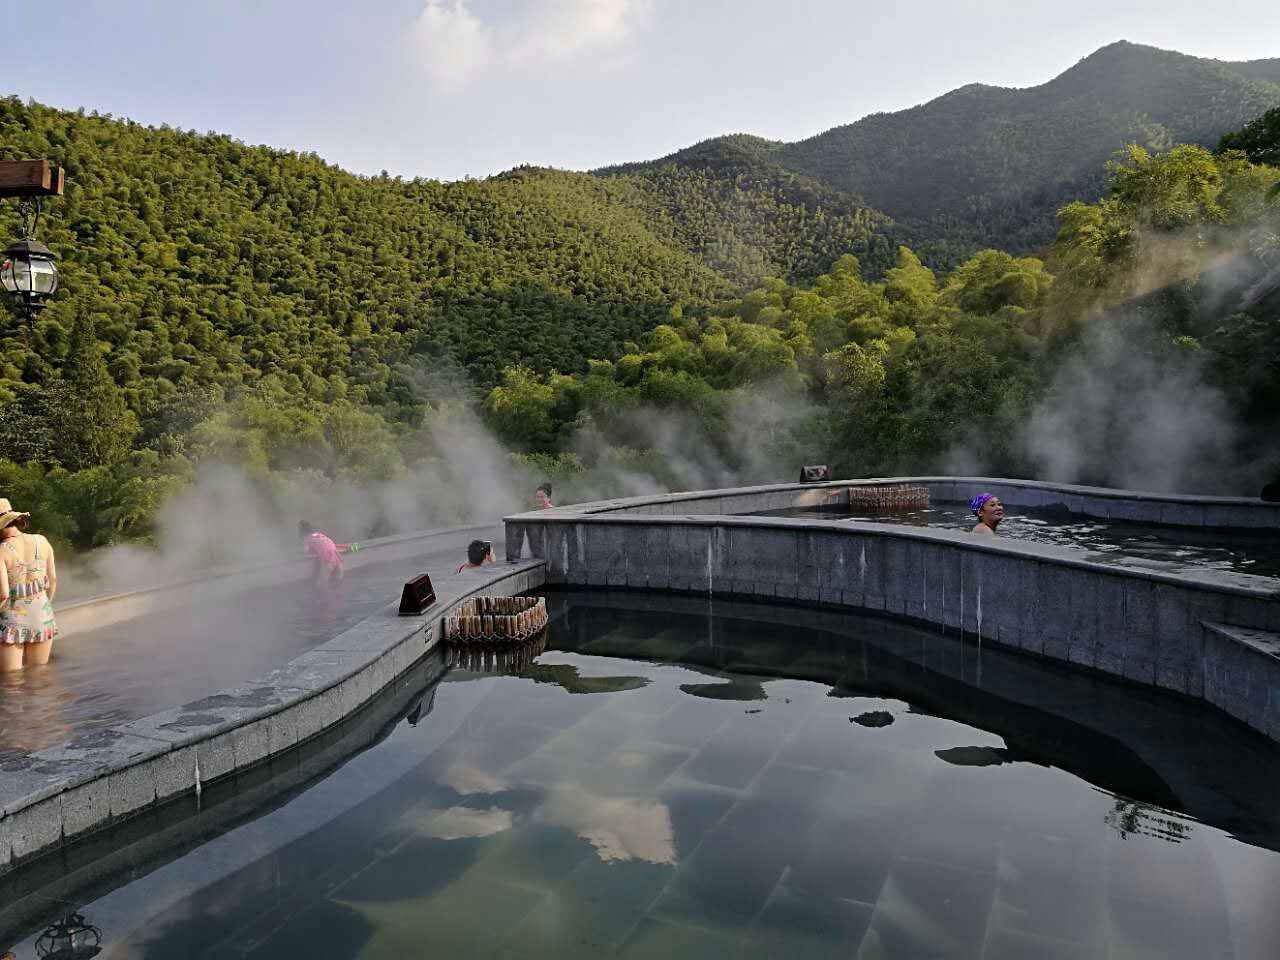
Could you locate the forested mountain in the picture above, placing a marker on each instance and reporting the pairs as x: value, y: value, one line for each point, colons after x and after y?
x: 205, y: 261
x: 750, y: 218
x: 699, y: 319
x: 989, y: 166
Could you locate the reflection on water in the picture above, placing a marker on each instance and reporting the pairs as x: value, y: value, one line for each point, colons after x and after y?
x: 1046, y: 814
x: 1107, y: 541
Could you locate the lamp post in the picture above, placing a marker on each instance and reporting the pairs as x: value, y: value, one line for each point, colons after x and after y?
x: 27, y: 271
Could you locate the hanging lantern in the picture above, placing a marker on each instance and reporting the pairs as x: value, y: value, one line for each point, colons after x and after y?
x: 71, y: 938
x: 29, y: 275
x: 27, y: 270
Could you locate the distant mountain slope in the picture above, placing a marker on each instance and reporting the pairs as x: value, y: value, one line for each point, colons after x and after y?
x: 1266, y: 70
x: 750, y: 218
x: 997, y: 162
x: 989, y: 166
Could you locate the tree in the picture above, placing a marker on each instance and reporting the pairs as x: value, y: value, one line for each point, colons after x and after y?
x: 1259, y: 139
x: 87, y: 414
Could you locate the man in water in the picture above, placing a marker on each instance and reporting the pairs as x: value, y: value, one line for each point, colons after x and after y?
x: 989, y: 511
x: 479, y: 552
x: 542, y: 496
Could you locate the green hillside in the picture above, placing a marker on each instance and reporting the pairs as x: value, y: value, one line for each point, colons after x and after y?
x: 205, y: 261
x: 988, y: 166
x: 994, y: 163
x: 750, y: 218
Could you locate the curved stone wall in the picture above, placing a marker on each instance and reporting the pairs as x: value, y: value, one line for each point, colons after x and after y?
x: 1167, y: 509
x: 1210, y: 636
x: 67, y: 792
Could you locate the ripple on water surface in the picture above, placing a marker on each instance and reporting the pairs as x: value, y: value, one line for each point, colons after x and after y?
x: 676, y: 779
x: 1180, y: 549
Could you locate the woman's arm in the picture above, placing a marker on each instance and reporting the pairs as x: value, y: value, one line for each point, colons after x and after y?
x: 51, y: 566
x: 4, y: 583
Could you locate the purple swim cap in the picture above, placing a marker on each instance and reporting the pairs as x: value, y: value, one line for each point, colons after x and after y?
x: 977, y: 502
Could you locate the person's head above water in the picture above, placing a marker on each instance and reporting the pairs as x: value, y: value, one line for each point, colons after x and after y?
x: 478, y: 551
x: 988, y: 509
x: 542, y: 496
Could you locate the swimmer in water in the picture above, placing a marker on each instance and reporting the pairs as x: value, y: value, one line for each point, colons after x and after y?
x: 989, y: 511
x: 28, y: 581
x: 542, y: 496
x: 479, y: 552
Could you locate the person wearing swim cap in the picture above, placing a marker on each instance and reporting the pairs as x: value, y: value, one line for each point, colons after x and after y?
x: 989, y: 511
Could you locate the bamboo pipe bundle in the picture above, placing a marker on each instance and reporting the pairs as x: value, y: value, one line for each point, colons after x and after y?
x: 493, y: 658
x: 496, y: 619
x: 888, y: 498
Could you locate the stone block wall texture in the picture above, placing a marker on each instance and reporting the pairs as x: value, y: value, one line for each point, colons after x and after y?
x: 66, y: 792
x: 1144, y: 626
x: 1130, y: 505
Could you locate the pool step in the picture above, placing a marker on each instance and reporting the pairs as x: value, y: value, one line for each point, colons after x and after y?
x: 1242, y: 673
x: 1264, y: 641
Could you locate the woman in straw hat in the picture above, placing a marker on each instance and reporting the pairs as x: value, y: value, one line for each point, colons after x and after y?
x: 28, y: 581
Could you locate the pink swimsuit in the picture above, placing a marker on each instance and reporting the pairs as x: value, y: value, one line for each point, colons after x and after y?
x: 325, y: 551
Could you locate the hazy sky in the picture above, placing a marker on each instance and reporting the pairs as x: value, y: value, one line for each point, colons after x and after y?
x: 451, y: 88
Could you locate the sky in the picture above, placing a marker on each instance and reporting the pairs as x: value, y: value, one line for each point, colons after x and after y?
x: 454, y: 88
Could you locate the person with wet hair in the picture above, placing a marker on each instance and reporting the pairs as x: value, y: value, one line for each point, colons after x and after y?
x: 542, y: 496
x: 28, y: 581
x: 989, y: 511
x: 479, y: 552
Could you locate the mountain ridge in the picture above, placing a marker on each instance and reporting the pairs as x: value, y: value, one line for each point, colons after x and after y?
x: 987, y: 165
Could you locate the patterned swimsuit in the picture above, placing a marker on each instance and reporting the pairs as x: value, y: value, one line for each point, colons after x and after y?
x: 28, y: 616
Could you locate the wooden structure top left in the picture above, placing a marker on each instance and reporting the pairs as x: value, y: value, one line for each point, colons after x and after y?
x: 31, y: 178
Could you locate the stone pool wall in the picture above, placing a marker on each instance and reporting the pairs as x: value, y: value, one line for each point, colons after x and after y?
x: 1158, y: 508
x: 70, y: 791
x: 1214, y: 637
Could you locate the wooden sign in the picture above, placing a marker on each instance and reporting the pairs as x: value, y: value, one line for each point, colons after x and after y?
x: 31, y: 178
x: 418, y: 595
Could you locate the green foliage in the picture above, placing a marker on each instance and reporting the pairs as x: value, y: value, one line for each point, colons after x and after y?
x: 751, y: 218
x: 91, y: 421
x: 1259, y: 139
x: 206, y: 264
x: 1168, y: 217
x: 988, y: 166
x: 729, y: 309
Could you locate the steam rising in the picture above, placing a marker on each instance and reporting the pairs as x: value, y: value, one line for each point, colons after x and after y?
x: 1116, y: 414
x: 229, y: 518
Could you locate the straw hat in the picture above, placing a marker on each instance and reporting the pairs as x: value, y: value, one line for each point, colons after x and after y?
x: 8, y: 514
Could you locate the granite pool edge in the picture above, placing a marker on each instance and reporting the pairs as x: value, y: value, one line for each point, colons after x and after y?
x: 58, y: 795
x: 1209, y: 636
x: 1164, y: 509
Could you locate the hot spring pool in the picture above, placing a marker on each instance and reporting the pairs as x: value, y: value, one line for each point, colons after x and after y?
x: 1104, y: 541
x: 125, y: 670
x: 676, y: 778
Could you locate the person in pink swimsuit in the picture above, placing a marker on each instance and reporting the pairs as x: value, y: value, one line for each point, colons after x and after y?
x: 326, y: 553
x: 28, y: 581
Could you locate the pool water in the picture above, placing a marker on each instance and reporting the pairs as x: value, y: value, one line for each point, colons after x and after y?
x: 1106, y: 541
x: 675, y: 778
x: 122, y: 671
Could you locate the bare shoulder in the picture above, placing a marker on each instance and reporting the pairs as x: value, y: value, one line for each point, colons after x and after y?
x: 984, y: 530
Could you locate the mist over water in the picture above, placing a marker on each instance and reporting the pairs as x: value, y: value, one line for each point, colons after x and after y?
x: 229, y: 517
